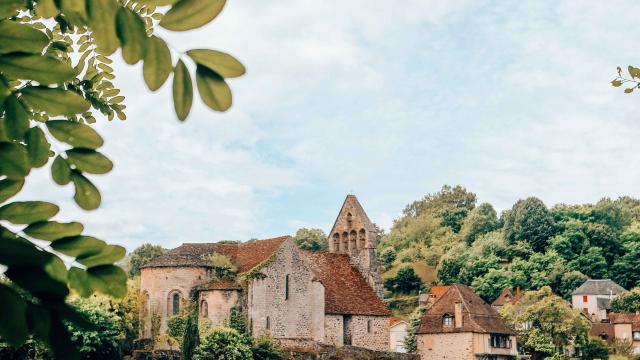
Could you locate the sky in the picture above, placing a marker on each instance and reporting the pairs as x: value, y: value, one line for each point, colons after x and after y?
x: 385, y: 100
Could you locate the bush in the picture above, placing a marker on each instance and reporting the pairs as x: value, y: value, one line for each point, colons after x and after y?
x: 406, y: 281
x: 223, y: 344
x: 266, y: 349
x: 175, y: 326
x: 190, y: 337
x: 101, y: 342
x: 237, y: 321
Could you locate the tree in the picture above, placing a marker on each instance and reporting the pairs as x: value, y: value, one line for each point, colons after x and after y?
x: 190, y: 337
x: 102, y: 342
x: 551, y: 324
x: 142, y: 255
x: 223, y: 344
x: 491, y: 284
x: 266, y: 349
x: 481, y: 220
x: 450, y: 204
x: 627, y: 302
x: 311, y: 239
x: 591, y: 263
x: 386, y: 257
x: 54, y: 76
x: 594, y: 349
x: 530, y: 221
x: 477, y: 267
x: 410, y: 343
x: 451, y: 265
x: 406, y: 281
x: 625, y: 269
x: 569, y: 282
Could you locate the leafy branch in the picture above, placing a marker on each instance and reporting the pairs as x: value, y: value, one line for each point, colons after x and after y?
x: 633, y: 81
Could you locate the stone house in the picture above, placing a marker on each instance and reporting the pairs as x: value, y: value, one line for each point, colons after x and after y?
x: 435, y: 293
x: 397, y: 333
x: 460, y: 325
x: 621, y: 327
x: 594, y: 298
x: 326, y: 297
x: 506, y: 297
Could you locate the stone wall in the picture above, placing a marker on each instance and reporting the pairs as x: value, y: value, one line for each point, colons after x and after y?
x: 453, y: 346
x: 301, y: 350
x: 333, y: 330
x: 371, y: 332
x: 219, y: 304
x: 156, y: 286
x: 299, y: 314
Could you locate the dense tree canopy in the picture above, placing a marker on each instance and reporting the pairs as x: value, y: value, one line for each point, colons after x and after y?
x: 141, y: 256
x: 530, y: 221
x: 311, y: 239
x: 627, y: 302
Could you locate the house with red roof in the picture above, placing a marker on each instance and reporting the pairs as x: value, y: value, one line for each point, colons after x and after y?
x: 329, y: 297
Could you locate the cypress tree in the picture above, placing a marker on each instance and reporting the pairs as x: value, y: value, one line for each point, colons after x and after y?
x: 190, y: 337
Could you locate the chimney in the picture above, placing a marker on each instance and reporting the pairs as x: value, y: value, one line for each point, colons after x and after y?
x: 458, y: 315
x: 518, y: 293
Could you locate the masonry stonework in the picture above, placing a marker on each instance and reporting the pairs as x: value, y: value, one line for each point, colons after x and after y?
x: 454, y: 346
x: 215, y: 305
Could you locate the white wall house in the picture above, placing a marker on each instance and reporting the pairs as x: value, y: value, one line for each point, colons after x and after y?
x: 397, y: 333
x: 594, y: 298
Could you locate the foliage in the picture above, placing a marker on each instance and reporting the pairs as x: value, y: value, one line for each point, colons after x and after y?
x: 406, y: 281
x: 481, y: 220
x: 223, y: 344
x: 265, y: 348
x: 55, y: 79
x: 625, y: 269
x: 492, y: 283
x: 237, y: 320
x: 627, y: 302
x: 450, y: 204
x: 594, y: 349
x: 546, y: 324
x: 190, y: 336
x: 222, y: 266
x: 410, y: 343
x: 622, y: 347
x: 311, y: 239
x: 529, y: 220
x: 386, y: 257
x: 176, y: 325
x: 142, y: 255
x: 591, y: 263
x: 452, y: 264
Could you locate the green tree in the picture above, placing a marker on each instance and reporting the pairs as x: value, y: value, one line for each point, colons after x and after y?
x: 55, y: 76
x: 141, y: 256
x: 594, y: 349
x: 266, y: 349
x: 223, y: 344
x: 406, y: 281
x: 569, y: 282
x: 190, y: 337
x: 625, y: 269
x: 627, y: 302
x: 386, y: 257
x: 451, y: 265
x: 311, y: 239
x: 606, y: 238
x: 410, y: 343
x: 481, y: 220
x: 552, y: 325
x: 450, y: 204
x: 591, y: 263
x: 491, y: 284
x: 530, y: 221
x: 477, y: 267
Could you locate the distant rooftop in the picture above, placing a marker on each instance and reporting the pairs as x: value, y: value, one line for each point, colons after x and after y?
x: 599, y: 287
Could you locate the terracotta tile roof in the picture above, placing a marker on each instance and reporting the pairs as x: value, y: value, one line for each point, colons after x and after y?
x: 244, y: 256
x: 222, y: 285
x: 603, y: 331
x: 346, y: 291
x: 506, y: 297
x: 437, y: 291
x: 477, y: 315
x: 599, y: 287
x: 395, y: 320
x: 626, y: 318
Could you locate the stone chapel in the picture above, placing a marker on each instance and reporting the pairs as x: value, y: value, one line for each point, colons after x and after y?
x: 332, y: 297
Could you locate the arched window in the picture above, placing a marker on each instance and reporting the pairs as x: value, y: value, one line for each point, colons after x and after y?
x: 204, y: 308
x: 447, y: 320
x: 352, y: 239
x: 362, y: 235
x: 349, y: 219
x: 174, y: 301
x: 345, y: 242
x: 336, y: 242
x: 369, y: 326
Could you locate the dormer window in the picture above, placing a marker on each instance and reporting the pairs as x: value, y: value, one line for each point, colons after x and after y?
x: 447, y: 320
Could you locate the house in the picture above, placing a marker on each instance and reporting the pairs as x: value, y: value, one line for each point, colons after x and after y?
x: 435, y: 293
x: 397, y: 333
x: 506, y: 297
x: 594, y: 298
x: 621, y: 327
x: 326, y: 297
x: 460, y: 325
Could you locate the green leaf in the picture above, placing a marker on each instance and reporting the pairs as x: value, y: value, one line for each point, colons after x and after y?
x: 103, y: 23
x: 182, y: 90
x: 191, y: 14
x: 634, y: 72
x: 78, y: 246
x: 108, y: 255
x: 109, y: 280
x: 43, y: 69
x: 55, y: 101
x: 89, y: 161
x: 213, y: 90
x: 628, y: 90
x: 79, y: 281
x: 75, y: 134
x: 16, y: 122
x: 9, y: 8
x: 132, y: 34
x: 56, y: 269
x: 87, y: 195
x: 60, y: 171
x: 616, y: 83
x: 38, y: 321
x: 37, y: 281
x: 159, y: 2
x: 14, y: 161
x: 16, y: 251
x: 5, y: 91
x: 223, y: 64
x: 53, y: 230
x: 157, y: 63
x: 46, y: 8
x: 8, y: 188
x: 28, y: 212
x: 37, y: 147
x: 16, y: 37
x: 74, y: 10
x: 13, y: 324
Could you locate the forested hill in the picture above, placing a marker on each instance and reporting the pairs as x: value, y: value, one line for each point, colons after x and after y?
x: 448, y: 238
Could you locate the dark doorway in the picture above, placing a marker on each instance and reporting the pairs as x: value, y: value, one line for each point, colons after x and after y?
x: 346, y: 329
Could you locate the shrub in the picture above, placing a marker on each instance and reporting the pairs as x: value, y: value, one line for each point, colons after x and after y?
x: 266, y: 349
x: 222, y: 266
x: 175, y: 326
x: 223, y: 344
x: 190, y: 337
x: 237, y: 321
x: 406, y: 281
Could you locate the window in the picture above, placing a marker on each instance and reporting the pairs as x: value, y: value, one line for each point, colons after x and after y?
x: 636, y: 335
x: 585, y: 298
x: 175, y: 301
x: 268, y: 324
x: 500, y: 341
x: 204, y: 308
x: 369, y: 326
x: 286, y: 287
x: 447, y: 320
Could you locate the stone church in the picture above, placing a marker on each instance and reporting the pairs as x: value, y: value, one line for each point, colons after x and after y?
x: 332, y: 297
